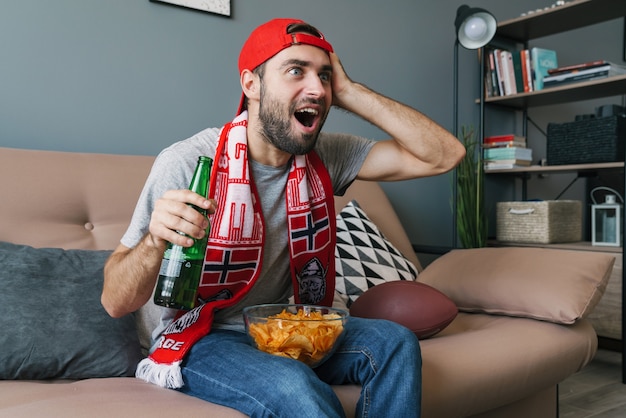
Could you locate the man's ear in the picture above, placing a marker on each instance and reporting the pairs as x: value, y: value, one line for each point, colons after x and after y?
x: 250, y: 84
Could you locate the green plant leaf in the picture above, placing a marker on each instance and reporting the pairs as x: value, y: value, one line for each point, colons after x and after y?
x: 472, y: 223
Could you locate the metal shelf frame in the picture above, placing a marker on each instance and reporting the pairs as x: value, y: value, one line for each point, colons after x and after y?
x: 572, y: 15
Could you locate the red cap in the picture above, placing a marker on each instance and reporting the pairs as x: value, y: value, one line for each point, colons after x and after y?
x: 272, y: 37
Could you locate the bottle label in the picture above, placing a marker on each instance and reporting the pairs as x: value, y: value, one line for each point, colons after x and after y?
x: 171, y: 268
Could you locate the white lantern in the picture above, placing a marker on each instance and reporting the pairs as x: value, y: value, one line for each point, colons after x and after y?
x: 606, y: 221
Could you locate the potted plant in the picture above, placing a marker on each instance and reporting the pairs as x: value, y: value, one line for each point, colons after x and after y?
x: 471, y: 217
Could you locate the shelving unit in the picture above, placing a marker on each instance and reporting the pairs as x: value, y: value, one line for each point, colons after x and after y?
x: 521, y: 30
x: 572, y: 168
x: 572, y: 15
x: 585, y: 90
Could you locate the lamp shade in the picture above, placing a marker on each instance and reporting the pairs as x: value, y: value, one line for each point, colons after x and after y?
x: 475, y: 27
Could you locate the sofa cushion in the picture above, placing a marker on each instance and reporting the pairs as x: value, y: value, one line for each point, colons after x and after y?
x: 483, y: 362
x: 364, y: 257
x: 560, y: 286
x: 53, y: 323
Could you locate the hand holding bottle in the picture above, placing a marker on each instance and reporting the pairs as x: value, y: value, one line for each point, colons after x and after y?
x: 174, y: 212
x: 181, y: 267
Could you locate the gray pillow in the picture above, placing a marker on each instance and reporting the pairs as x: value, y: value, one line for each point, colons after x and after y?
x: 52, y: 322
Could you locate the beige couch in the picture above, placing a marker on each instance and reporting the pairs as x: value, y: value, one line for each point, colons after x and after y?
x: 517, y: 335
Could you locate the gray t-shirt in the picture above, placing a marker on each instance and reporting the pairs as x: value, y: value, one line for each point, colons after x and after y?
x: 343, y: 156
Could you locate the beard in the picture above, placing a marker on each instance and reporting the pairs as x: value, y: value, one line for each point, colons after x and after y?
x: 276, y: 125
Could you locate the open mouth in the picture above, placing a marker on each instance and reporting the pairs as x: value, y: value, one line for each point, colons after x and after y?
x: 306, y: 116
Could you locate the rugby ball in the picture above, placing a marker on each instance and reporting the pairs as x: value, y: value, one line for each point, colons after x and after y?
x: 419, y: 307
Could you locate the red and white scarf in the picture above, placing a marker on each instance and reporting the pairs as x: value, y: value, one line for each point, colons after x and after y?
x: 236, y: 242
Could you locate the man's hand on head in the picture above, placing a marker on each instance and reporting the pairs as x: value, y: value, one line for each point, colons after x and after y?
x: 341, y: 82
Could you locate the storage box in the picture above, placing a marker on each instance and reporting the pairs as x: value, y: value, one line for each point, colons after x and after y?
x: 596, y: 140
x: 542, y: 222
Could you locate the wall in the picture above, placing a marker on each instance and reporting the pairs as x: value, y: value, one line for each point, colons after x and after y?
x: 132, y: 76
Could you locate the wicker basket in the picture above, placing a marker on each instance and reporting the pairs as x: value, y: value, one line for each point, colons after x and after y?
x: 597, y: 140
x: 544, y: 222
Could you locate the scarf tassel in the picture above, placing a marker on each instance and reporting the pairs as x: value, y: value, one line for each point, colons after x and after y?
x: 164, y: 375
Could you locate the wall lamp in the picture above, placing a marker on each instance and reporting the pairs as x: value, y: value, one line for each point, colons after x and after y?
x: 474, y: 28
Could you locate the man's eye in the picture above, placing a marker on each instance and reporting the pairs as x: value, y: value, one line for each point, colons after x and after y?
x: 325, y: 77
x: 295, y: 71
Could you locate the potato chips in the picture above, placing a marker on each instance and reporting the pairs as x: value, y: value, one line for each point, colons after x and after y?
x: 306, y: 336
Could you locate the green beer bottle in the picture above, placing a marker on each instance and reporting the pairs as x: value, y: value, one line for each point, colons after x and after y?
x: 181, y: 267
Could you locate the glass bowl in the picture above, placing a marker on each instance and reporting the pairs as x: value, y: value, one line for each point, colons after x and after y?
x: 306, y: 333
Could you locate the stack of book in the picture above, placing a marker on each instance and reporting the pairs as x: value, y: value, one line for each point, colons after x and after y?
x: 505, y: 152
x: 513, y: 72
x: 586, y: 71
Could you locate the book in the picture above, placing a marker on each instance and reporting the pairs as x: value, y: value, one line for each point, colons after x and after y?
x: 494, y: 75
x: 574, y: 67
x: 527, y: 71
x: 541, y: 61
x: 553, y: 82
x: 508, y: 153
x: 523, y: 163
x: 508, y: 74
x: 503, y: 138
x: 585, y: 74
x: 491, y: 78
x: 499, y: 71
x: 516, y: 161
x: 505, y: 144
x: 506, y: 164
x: 517, y: 70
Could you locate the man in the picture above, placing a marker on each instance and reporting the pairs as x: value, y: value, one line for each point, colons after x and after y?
x: 273, y: 168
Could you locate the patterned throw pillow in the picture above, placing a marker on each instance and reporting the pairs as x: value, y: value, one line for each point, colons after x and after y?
x: 364, y: 257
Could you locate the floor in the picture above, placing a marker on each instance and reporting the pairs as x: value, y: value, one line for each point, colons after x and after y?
x: 595, y: 391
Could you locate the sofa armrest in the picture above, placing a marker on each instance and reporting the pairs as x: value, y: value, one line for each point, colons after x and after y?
x: 560, y: 286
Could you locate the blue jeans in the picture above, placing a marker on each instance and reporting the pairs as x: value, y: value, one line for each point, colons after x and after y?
x: 381, y: 356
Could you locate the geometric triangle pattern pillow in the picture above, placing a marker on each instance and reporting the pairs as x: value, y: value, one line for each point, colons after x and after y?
x: 364, y: 257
